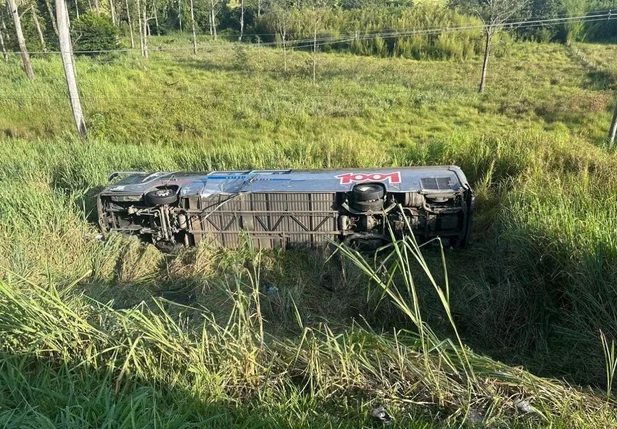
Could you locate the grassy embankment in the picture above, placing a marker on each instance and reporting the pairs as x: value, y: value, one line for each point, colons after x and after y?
x: 535, y: 289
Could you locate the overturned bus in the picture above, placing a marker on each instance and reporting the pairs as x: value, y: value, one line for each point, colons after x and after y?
x: 280, y: 208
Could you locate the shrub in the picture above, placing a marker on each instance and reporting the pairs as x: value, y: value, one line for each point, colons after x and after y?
x: 93, y: 33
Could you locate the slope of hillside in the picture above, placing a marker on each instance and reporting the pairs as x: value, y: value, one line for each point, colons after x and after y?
x: 116, y: 334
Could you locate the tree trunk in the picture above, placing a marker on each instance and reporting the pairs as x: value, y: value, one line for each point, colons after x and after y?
x: 213, y: 17
x: 258, y: 7
x: 4, y: 53
x: 6, y: 32
x: 612, y: 133
x: 25, y: 56
x: 51, y: 15
x: 128, y: 18
x: 37, y: 24
x: 241, y: 20
x: 156, y: 18
x: 97, y: 7
x: 146, y: 32
x: 180, y: 14
x: 112, y: 10
x: 285, y: 49
x: 141, y: 29
x: 194, y: 31
x: 76, y: 10
x: 487, y: 52
x: 66, y: 51
x: 315, y: 54
x: 210, y: 21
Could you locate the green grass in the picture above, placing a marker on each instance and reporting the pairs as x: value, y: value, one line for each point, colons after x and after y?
x: 221, y: 96
x: 117, y: 334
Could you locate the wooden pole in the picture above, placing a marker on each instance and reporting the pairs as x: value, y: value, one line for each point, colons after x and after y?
x: 487, y: 52
x: 612, y: 133
x: 66, y: 52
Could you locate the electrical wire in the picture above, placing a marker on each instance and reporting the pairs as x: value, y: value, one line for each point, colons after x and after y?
x: 302, y: 43
x: 508, y: 26
x: 235, y: 37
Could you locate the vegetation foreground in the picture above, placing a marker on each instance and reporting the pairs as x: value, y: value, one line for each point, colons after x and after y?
x: 116, y: 334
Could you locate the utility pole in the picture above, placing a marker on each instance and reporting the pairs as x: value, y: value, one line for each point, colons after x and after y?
x: 25, y: 56
x: 487, y: 52
x: 66, y: 51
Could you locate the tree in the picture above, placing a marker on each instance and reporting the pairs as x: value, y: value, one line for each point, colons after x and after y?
x: 52, y: 16
x: 4, y: 53
x: 128, y: 18
x: 66, y: 52
x: 193, y: 28
x: 23, y: 50
x: 112, y: 10
x: 241, y: 20
x: 574, y: 30
x: 143, y: 33
x: 316, y: 11
x: 39, y: 30
x: 213, y: 11
x: 280, y: 12
x: 93, y: 34
x: 494, y: 14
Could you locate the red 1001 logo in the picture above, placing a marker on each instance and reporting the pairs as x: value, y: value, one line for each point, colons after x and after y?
x: 348, y: 178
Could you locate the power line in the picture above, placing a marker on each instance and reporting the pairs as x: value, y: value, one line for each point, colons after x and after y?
x: 246, y: 34
x: 589, y: 14
x: 302, y: 43
x: 508, y: 26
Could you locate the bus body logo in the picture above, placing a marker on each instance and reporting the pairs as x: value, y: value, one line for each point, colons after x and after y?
x: 348, y: 178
